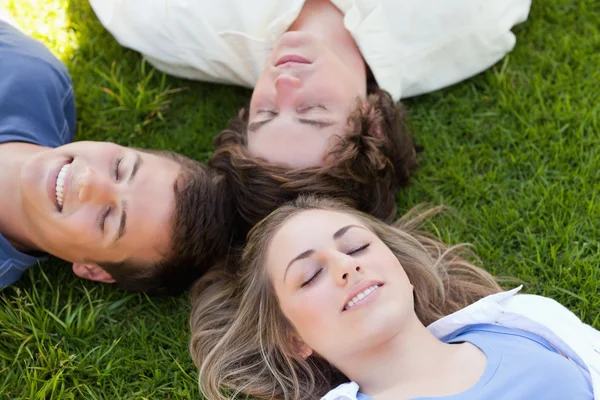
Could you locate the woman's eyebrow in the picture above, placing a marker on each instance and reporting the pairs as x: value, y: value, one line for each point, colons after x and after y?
x: 342, y: 231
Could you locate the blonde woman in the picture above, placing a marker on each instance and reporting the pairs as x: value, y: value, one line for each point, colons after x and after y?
x: 328, y: 295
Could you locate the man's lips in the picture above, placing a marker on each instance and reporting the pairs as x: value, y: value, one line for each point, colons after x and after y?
x: 292, y: 59
x: 51, y: 182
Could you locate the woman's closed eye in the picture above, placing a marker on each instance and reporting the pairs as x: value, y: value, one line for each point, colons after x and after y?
x: 312, y: 278
x: 359, y: 249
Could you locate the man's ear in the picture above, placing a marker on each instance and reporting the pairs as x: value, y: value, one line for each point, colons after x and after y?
x: 92, y: 272
x: 301, y: 348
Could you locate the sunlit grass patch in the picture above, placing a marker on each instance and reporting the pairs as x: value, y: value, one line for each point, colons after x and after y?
x: 46, y: 20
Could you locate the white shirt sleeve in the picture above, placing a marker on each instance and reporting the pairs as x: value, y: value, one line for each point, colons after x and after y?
x: 470, y: 51
x: 141, y: 25
x: 176, y: 36
x: 415, y: 47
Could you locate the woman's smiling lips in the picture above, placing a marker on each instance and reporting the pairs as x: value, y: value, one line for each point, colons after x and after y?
x: 358, y: 293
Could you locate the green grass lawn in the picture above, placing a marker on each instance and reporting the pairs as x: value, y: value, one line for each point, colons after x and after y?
x: 514, y: 151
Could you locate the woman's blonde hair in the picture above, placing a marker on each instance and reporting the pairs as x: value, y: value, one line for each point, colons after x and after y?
x: 241, y: 341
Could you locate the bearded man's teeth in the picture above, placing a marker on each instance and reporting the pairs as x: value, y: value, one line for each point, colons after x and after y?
x: 60, y: 181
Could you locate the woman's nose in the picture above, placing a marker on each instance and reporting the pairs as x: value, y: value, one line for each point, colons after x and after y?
x: 95, y: 187
x: 344, y: 268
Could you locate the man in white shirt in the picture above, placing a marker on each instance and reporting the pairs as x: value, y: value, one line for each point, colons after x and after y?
x: 310, y: 63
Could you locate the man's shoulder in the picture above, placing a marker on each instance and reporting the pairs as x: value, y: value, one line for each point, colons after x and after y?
x: 36, y: 94
x: 26, y: 61
x: 16, y: 46
x: 12, y: 262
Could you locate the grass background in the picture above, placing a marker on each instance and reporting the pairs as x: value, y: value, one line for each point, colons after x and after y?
x: 514, y: 151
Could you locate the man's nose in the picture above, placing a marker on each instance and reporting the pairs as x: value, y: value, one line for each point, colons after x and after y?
x: 96, y: 188
x: 287, y: 89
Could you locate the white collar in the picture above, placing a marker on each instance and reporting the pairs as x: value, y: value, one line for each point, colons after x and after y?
x: 483, y: 309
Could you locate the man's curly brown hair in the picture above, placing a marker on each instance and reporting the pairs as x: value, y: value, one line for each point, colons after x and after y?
x: 374, y: 157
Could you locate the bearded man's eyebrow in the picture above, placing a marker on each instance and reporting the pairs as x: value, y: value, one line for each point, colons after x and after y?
x: 321, y: 124
x: 254, y: 126
x: 317, y: 123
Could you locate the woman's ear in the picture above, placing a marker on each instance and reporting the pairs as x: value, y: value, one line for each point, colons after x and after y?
x: 301, y: 348
x: 92, y: 272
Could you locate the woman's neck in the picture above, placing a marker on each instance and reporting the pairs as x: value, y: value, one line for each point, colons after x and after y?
x: 13, y: 224
x: 324, y: 20
x: 413, y: 364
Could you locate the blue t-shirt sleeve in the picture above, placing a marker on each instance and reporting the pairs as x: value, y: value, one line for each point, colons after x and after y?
x: 36, y: 94
x: 13, y: 263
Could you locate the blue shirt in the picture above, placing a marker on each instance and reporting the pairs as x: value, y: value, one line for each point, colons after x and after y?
x: 520, y: 366
x: 36, y: 106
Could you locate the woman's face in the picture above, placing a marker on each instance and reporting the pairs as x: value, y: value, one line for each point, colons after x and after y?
x: 301, y: 102
x: 339, y: 285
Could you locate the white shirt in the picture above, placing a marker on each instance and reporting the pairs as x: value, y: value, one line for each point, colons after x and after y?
x: 536, y: 314
x: 412, y: 46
